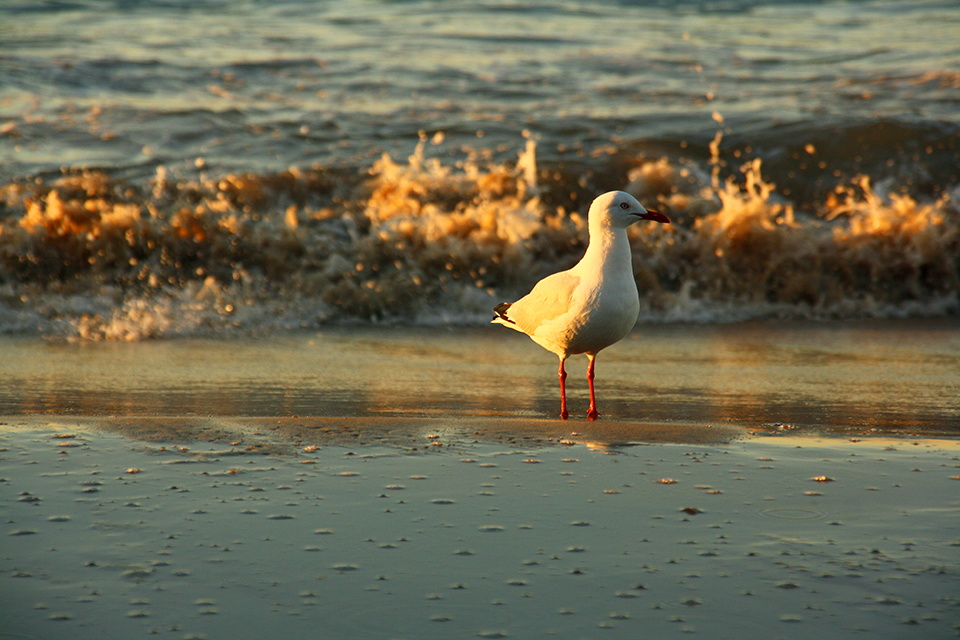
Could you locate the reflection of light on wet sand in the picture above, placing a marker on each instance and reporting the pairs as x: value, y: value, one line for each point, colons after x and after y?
x: 857, y: 378
x: 485, y: 540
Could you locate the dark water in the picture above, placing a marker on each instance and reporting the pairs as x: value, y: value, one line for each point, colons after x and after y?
x: 182, y: 168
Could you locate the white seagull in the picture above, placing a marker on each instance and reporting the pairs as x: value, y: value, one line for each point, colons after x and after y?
x: 594, y: 304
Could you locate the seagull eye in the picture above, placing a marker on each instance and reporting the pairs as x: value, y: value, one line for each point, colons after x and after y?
x: 624, y: 205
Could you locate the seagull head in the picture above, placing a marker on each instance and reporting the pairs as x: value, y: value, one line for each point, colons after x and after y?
x: 620, y: 209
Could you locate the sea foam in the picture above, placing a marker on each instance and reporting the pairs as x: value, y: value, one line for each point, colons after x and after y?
x: 425, y: 241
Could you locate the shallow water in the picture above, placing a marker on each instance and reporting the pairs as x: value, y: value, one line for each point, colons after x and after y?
x: 869, y: 377
x: 217, y: 168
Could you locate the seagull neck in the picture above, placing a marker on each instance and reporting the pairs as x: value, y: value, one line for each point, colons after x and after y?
x: 610, y: 247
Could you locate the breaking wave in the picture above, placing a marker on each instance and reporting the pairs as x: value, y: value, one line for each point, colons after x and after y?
x: 441, y: 239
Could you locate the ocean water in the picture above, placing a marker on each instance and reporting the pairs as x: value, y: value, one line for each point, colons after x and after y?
x: 220, y: 168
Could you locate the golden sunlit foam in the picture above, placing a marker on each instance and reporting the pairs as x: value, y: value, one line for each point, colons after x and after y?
x: 427, y: 241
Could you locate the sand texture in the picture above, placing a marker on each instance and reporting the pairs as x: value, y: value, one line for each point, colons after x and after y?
x: 107, y: 537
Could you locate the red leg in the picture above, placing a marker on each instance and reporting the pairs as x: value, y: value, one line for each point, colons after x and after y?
x: 592, y: 413
x: 563, y: 393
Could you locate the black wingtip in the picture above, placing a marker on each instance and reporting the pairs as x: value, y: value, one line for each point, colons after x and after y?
x: 501, y: 311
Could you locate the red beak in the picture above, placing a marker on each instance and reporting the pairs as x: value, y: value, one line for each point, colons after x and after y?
x: 655, y: 216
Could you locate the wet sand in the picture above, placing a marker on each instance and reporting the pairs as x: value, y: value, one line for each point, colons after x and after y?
x: 774, y: 536
x: 764, y: 480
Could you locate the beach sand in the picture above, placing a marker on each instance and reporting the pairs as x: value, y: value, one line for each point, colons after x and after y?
x: 756, y: 481
x: 773, y: 536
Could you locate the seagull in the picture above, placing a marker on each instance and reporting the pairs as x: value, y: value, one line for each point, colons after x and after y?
x: 594, y: 304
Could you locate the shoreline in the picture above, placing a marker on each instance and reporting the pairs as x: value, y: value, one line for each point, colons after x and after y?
x: 400, y: 431
x: 409, y: 433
